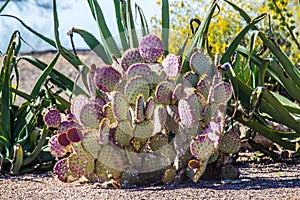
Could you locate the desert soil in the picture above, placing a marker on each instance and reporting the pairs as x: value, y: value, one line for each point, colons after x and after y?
x: 262, y: 180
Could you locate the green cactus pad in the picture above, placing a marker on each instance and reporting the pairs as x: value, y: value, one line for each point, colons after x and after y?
x: 149, y: 108
x: 178, y: 92
x: 64, y: 126
x: 196, y: 105
x: 158, y: 141
x: 104, y: 131
x: 119, y: 106
x: 90, y: 115
x: 135, y: 159
x: 135, y: 86
x: 153, y: 162
x: 214, y: 157
x: 151, y: 48
x: 101, y: 172
x: 129, y: 57
x: 200, y: 171
x: 172, y: 119
x: 229, y: 172
x: 143, y: 129
x: 52, y: 118
x: 222, y: 93
x: 187, y: 115
x: 108, y: 113
x: 202, y: 147
x: 164, y: 93
x: 55, y: 148
x: 130, y: 177
x: 171, y: 65
x: 169, y: 176
x: 123, y: 133
x: 111, y: 157
x: 159, y: 118
x: 62, y: 171
x: 202, y: 64
x: 139, y: 108
x: 90, y: 142
x: 80, y: 165
x: 230, y: 143
x: 77, y: 104
x: 190, y: 79
x: 158, y: 73
x: 139, y: 69
x: 107, y: 78
x: 204, y: 85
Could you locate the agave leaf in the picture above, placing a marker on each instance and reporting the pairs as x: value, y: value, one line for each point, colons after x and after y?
x: 106, y: 37
x: 94, y: 44
x: 38, y: 84
x: 145, y: 28
x: 58, y: 78
x: 4, y: 5
x: 288, y: 82
x: 289, y: 67
x: 121, y: 27
x: 241, y: 11
x: 290, y: 106
x: 234, y: 44
x: 198, y: 40
x: 133, y: 40
x: 264, y: 130
x: 165, y: 25
x: 29, y: 158
x: 5, y: 102
x: 73, y: 59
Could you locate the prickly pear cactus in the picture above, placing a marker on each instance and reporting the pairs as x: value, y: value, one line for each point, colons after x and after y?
x: 145, y: 122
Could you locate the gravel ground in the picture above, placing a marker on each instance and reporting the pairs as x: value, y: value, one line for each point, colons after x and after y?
x: 257, y: 181
x: 262, y: 180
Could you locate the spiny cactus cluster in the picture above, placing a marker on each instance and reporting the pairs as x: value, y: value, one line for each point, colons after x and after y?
x: 144, y: 122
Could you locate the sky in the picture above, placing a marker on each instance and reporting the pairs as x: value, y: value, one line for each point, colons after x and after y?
x: 76, y: 14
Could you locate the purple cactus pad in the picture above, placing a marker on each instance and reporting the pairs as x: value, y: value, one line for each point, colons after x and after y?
x: 74, y: 135
x: 55, y: 148
x: 107, y: 78
x: 52, y: 118
x: 63, y: 140
x: 171, y: 65
x: 129, y: 57
x: 151, y: 48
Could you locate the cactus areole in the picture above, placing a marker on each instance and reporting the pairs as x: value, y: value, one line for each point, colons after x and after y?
x: 149, y: 125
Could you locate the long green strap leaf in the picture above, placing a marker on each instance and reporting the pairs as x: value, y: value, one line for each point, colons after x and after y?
x: 106, y: 37
x: 58, y: 78
x: 286, y: 81
x: 6, y: 88
x: 133, y: 39
x: 4, y: 5
x: 121, y: 27
x: 94, y: 44
x: 289, y: 67
x: 165, y: 16
x: 37, y: 149
x: 145, y: 28
x: 199, y: 38
x: 234, y: 44
x: 241, y: 11
x: 265, y: 131
x: 43, y: 77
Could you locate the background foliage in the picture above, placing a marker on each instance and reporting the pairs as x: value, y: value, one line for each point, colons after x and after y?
x: 285, y: 15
